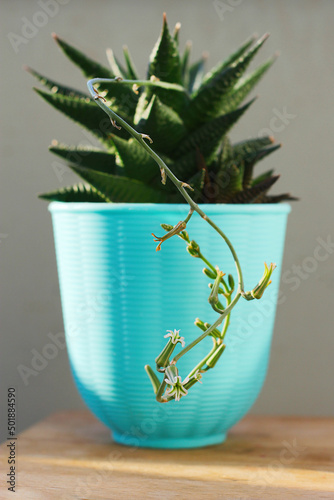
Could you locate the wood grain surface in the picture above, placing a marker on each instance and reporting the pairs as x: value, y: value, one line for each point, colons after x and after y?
x: 70, y: 455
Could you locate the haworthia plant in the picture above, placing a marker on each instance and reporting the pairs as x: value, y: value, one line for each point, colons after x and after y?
x: 186, y: 112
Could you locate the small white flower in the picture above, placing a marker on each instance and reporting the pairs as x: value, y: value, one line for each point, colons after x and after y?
x: 176, y: 388
x: 175, y: 337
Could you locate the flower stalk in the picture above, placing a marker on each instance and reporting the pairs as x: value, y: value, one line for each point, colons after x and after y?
x: 172, y: 387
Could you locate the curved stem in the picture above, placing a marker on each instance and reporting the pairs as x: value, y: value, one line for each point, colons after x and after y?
x: 204, y: 360
x: 179, y: 184
x: 140, y: 83
x: 209, y: 330
x: 227, y: 319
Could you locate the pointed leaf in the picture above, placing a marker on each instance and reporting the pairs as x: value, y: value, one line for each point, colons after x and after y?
x: 251, y: 146
x: 185, y: 61
x: 210, y: 97
x: 250, y: 160
x: 86, y: 113
x: 262, y: 177
x: 229, y: 182
x: 142, y: 104
x: 120, y: 189
x: 176, y: 33
x: 230, y: 60
x: 136, y: 161
x: 116, y: 67
x: 253, y: 194
x: 77, y: 193
x: 197, y: 183
x: 194, y: 76
x: 186, y: 166
x: 165, y: 61
x: 88, y: 157
x: 120, y: 97
x: 89, y: 67
x: 55, y: 87
x: 245, y: 86
x: 207, y: 138
x: 278, y: 198
x: 132, y: 72
x: 163, y: 125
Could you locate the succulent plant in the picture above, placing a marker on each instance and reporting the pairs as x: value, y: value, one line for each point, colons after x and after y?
x: 185, y: 111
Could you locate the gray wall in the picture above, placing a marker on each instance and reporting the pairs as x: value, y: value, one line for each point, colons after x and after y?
x: 300, y: 378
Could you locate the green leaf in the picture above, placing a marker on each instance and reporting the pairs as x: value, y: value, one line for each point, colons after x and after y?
x: 251, y: 146
x: 120, y: 189
x: 250, y: 160
x: 55, y: 87
x: 229, y: 181
x: 132, y: 72
x: 82, y: 111
x: 88, y: 157
x: 89, y: 67
x: 278, y: 198
x: 186, y: 166
x: 165, y: 61
x: 197, y: 183
x: 210, y: 98
x: 176, y: 33
x: 163, y: 125
x: 120, y: 97
x: 185, y: 62
x: 77, y: 193
x: 253, y: 194
x: 136, y: 161
x: 194, y: 76
x: 208, y: 137
x: 245, y: 86
x: 116, y: 67
x: 230, y: 60
x: 262, y: 177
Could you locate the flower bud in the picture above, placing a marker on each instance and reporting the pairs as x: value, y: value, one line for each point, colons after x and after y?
x: 265, y: 281
x: 209, y: 273
x: 231, y: 282
x: 167, y: 227
x: 211, y: 362
x: 153, y: 378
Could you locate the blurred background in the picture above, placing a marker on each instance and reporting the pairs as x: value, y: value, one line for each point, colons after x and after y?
x: 295, y: 103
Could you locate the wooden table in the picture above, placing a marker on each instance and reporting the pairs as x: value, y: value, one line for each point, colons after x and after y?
x: 70, y: 456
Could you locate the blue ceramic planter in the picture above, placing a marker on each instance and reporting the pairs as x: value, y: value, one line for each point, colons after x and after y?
x: 119, y: 296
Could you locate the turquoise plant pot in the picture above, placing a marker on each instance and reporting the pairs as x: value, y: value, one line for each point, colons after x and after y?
x: 119, y: 296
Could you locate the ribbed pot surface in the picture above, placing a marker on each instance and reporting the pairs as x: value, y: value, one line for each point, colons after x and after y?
x: 119, y: 296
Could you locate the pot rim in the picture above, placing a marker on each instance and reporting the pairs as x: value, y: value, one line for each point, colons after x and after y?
x: 210, y: 208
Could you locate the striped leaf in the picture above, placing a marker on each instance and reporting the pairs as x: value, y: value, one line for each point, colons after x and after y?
x: 230, y: 60
x: 254, y: 194
x: 85, y: 112
x: 208, y: 137
x: 245, y: 86
x: 251, y: 146
x: 210, y: 97
x: 135, y: 160
x: 163, y: 125
x: 89, y: 67
x: 75, y: 194
x: 120, y: 189
x: 165, y: 61
x: 55, y: 87
x: 88, y: 157
x: 132, y: 73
